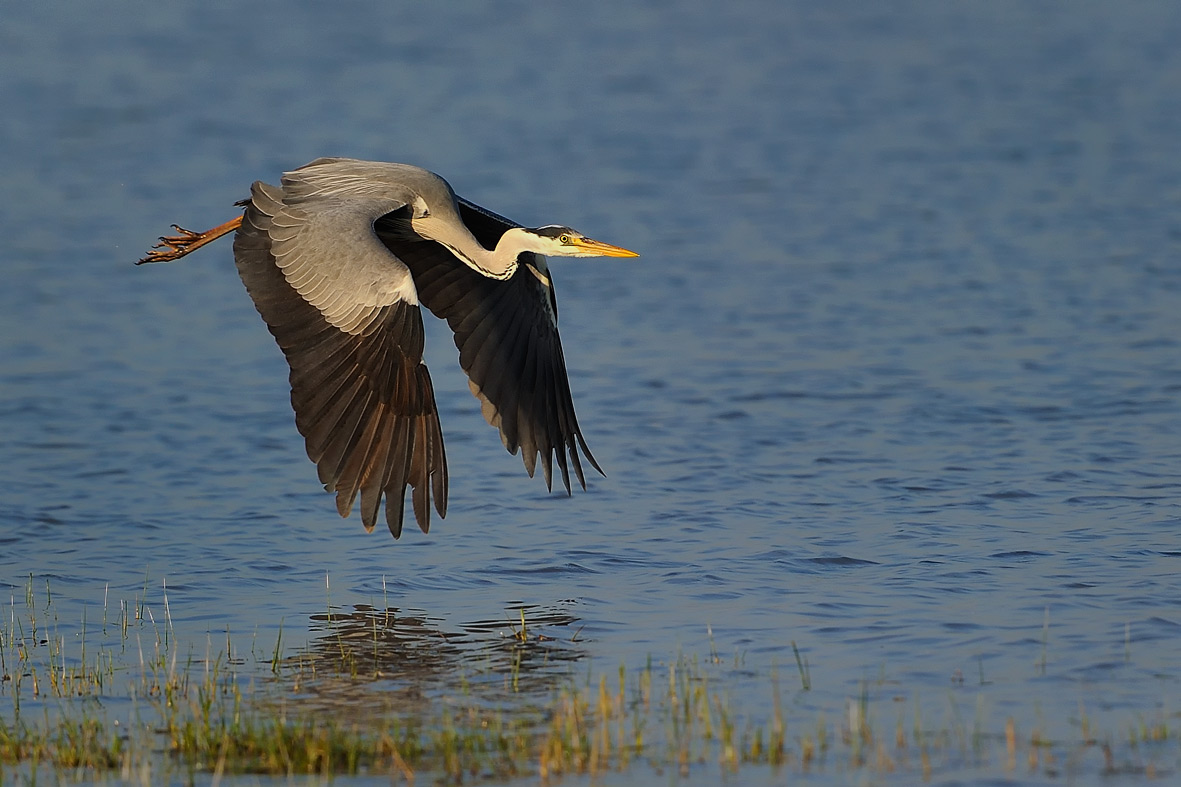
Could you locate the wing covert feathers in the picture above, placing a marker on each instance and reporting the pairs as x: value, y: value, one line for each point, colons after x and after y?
x: 362, y: 397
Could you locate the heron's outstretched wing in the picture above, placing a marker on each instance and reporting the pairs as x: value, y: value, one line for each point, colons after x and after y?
x: 345, y: 313
x: 507, y: 335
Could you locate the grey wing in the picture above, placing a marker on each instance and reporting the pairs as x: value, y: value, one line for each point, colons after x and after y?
x: 345, y: 313
x: 507, y: 336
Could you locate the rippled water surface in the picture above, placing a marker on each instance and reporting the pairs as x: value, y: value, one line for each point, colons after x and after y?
x: 896, y: 378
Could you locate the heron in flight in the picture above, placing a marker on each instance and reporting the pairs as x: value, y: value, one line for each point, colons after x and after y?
x: 337, y: 260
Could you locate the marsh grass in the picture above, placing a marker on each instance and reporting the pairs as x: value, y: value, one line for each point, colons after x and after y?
x: 118, y: 700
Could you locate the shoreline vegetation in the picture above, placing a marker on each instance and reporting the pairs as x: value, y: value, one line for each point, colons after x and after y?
x: 379, y: 694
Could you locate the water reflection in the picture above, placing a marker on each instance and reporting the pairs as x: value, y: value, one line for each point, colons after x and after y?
x: 378, y: 660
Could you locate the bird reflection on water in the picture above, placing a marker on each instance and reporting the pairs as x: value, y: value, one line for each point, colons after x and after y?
x: 383, y: 660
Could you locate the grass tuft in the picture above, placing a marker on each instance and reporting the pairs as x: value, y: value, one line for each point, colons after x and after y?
x: 87, y: 706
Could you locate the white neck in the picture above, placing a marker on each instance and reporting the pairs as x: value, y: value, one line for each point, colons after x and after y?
x: 500, y: 263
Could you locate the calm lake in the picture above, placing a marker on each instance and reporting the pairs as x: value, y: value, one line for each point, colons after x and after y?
x: 897, y: 377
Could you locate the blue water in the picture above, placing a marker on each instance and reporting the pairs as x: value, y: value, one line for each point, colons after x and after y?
x: 896, y: 378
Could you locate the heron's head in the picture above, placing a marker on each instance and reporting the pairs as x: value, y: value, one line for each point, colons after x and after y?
x: 557, y: 241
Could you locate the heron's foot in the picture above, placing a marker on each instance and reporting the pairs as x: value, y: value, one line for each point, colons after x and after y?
x: 173, y: 247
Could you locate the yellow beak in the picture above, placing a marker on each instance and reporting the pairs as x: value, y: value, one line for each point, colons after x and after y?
x: 600, y: 249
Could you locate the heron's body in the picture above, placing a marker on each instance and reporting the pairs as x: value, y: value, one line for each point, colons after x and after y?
x: 337, y: 260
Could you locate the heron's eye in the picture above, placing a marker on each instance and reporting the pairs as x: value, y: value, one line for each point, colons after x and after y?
x: 564, y: 240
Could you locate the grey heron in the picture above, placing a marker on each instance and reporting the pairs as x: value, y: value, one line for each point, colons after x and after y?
x: 337, y: 260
